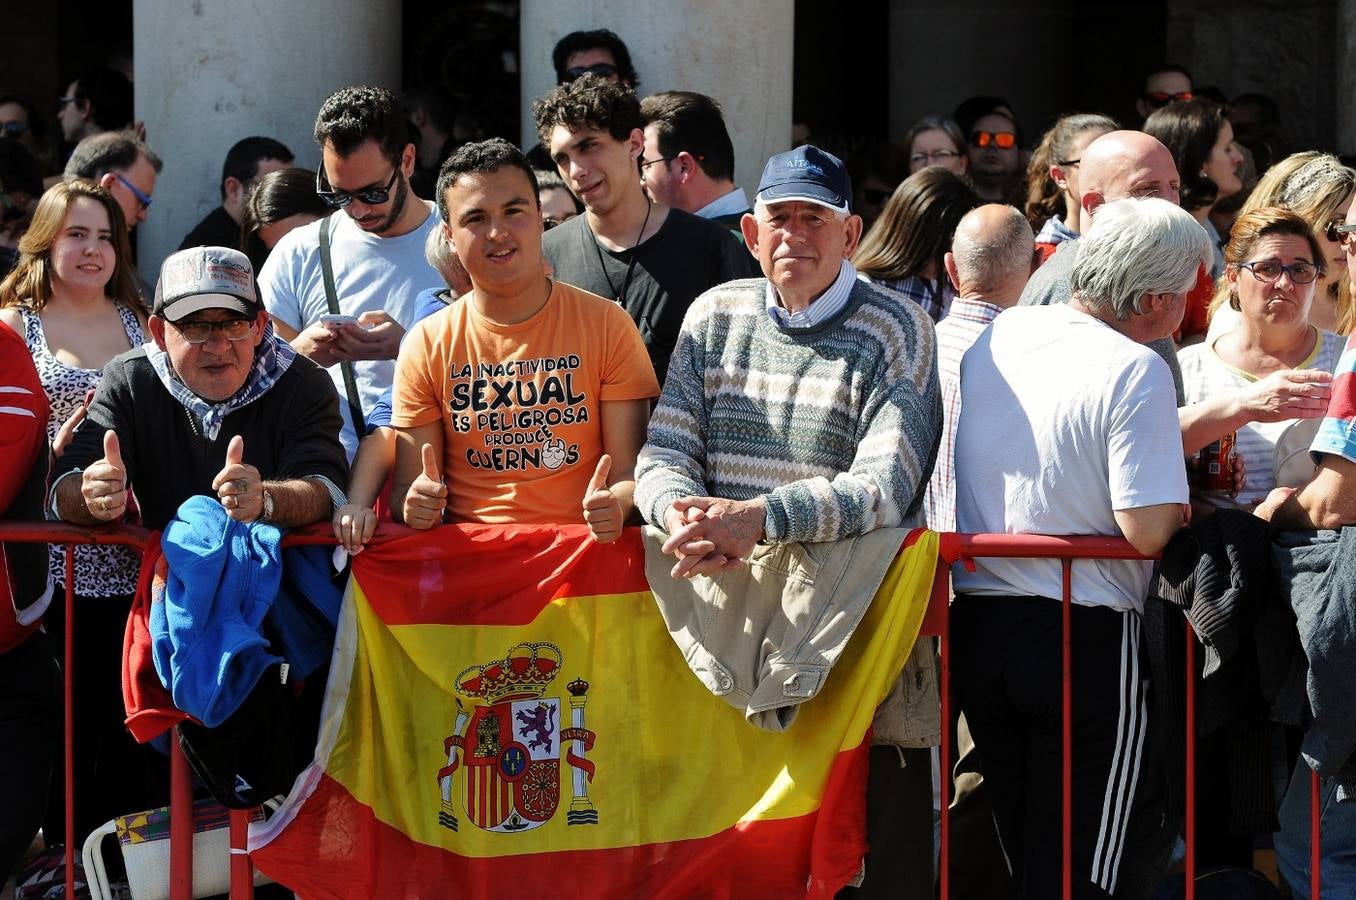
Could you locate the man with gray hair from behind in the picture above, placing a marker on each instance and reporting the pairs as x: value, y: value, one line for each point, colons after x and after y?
x: 1068, y: 425
x: 988, y: 265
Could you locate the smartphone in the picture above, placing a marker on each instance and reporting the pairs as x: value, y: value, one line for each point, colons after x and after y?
x: 330, y: 320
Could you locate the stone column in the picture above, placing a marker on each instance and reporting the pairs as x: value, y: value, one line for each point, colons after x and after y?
x: 209, y: 74
x: 737, y: 51
x: 1344, y: 115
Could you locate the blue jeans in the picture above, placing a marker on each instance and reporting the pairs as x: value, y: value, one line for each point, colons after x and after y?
x: 1337, y: 838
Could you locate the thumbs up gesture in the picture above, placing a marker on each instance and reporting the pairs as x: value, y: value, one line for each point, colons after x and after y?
x: 602, y: 507
x: 103, y: 485
x: 239, y: 487
x: 427, y: 497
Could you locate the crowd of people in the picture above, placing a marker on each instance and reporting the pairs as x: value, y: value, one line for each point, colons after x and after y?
x: 1102, y: 331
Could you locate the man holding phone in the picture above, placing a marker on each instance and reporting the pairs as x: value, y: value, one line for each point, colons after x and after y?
x: 342, y: 290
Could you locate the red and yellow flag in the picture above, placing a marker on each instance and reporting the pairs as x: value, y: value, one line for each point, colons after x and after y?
x: 507, y: 714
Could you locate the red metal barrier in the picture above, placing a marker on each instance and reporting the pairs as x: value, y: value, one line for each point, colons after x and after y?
x: 964, y: 548
x: 954, y: 548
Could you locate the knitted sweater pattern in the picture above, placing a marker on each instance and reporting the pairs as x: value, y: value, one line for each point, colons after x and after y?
x: 836, y: 427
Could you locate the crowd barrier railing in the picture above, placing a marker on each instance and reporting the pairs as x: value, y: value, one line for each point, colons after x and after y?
x: 953, y: 549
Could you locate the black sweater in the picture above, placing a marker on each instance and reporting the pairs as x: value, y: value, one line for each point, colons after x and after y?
x: 292, y: 431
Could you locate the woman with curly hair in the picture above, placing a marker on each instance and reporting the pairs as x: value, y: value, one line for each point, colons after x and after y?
x: 1319, y: 189
x: 1052, y: 193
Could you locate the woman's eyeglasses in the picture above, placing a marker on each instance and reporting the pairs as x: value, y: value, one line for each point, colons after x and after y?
x: 932, y: 158
x: 1269, y: 271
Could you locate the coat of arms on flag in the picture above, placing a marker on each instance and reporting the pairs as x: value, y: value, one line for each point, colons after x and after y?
x: 508, y: 744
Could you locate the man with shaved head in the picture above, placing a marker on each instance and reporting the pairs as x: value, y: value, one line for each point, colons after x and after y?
x: 1123, y: 164
x: 1117, y: 165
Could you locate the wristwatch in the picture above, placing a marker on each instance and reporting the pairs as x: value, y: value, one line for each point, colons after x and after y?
x: 267, y: 514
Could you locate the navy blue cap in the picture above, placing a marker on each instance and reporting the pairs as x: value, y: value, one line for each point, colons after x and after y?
x: 806, y: 173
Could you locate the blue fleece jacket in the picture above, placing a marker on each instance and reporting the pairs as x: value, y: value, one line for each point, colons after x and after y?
x: 225, y: 580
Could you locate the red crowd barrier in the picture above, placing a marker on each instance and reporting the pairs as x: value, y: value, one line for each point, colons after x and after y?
x: 954, y: 548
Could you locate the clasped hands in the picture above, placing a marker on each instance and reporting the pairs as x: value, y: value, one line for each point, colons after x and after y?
x: 709, y: 535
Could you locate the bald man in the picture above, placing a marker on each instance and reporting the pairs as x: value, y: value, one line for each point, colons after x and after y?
x: 988, y: 265
x: 1117, y: 165
x: 1123, y: 164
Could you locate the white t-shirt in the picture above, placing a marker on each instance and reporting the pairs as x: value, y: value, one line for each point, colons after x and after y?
x: 370, y: 273
x: 1062, y: 421
x: 1205, y: 375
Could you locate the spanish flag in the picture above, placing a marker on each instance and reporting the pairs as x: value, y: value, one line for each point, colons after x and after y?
x: 507, y: 716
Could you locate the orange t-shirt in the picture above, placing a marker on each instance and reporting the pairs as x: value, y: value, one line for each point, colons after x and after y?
x: 519, y: 403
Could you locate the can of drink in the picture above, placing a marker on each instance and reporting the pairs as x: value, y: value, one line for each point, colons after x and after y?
x: 1215, y: 473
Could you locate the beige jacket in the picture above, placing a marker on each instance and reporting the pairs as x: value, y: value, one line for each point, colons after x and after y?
x: 764, y: 636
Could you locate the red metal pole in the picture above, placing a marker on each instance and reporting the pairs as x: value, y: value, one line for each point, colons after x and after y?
x: 1315, y: 837
x: 1066, y: 729
x: 242, y: 873
x: 1190, y: 638
x: 939, y: 612
x: 68, y: 696
x: 181, y: 822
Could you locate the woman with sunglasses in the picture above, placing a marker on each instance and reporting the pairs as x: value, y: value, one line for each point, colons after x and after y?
x: 74, y: 298
x: 905, y: 248
x: 1052, y: 193
x: 1273, y: 262
x: 1319, y: 189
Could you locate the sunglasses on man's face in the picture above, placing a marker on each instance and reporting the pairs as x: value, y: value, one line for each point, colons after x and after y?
x: 372, y: 196
x: 602, y: 70
x: 1160, y: 99
x: 1003, y: 140
x: 13, y: 129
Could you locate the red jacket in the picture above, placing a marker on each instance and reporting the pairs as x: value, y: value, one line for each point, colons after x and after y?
x: 23, y: 484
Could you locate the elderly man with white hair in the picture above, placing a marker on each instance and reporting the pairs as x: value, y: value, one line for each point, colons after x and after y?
x: 1068, y: 426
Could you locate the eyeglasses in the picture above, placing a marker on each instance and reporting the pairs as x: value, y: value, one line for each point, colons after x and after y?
x: 143, y: 199
x: 340, y: 199
x: 1003, y: 140
x: 602, y: 70
x: 13, y: 129
x: 1341, y: 234
x: 1269, y: 271
x: 646, y: 163
x: 199, y: 332
x: 1159, y: 99
x: 934, y: 157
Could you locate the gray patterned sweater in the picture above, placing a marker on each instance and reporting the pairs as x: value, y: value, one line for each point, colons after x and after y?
x: 836, y: 426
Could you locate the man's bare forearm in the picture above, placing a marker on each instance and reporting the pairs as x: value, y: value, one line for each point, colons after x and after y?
x: 299, y: 501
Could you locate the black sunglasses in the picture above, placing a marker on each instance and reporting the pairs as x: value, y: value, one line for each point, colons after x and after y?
x: 14, y: 129
x: 340, y: 199
x: 602, y: 70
